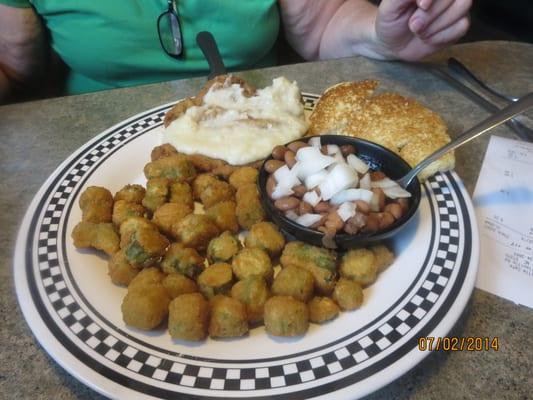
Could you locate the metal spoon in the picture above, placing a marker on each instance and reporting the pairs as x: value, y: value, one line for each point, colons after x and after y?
x: 498, y: 118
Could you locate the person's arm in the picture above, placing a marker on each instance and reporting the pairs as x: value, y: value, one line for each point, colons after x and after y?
x: 397, y: 29
x: 22, y: 50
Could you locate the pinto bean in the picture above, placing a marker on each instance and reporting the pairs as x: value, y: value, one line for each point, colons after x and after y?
x: 334, y: 222
x: 381, y: 197
x: 377, y: 175
x: 272, y: 165
x: 347, y: 149
x: 286, y: 203
x: 304, y: 208
x: 321, y: 207
x: 290, y: 158
x: 385, y: 220
x: 270, y: 185
x: 372, y: 223
x: 279, y: 152
x: 362, y: 206
x: 404, y: 203
x: 394, y: 209
x: 299, y: 190
x: 355, y: 223
x: 295, y: 146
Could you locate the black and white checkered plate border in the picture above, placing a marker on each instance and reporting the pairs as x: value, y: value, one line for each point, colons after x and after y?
x: 61, y: 319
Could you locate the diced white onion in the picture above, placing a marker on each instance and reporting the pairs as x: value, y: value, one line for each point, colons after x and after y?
x: 333, y: 149
x: 396, y: 192
x: 365, y: 182
x: 312, y: 198
x: 339, y: 178
x: 374, y: 203
x: 291, y: 214
x: 352, y: 195
x: 316, y: 179
x: 339, y: 159
x: 309, y: 167
x: 281, y: 191
x: 315, y: 141
x: 308, y: 153
x: 357, y: 164
x: 308, y: 219
x: 384, y: 183
x: 286, y: 177
x: 346, y: 211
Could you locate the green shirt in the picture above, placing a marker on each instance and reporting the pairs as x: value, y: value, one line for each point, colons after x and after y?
x: 115, y: 43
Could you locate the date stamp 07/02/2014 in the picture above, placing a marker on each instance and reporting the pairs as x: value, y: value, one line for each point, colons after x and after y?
x: 454, y: 343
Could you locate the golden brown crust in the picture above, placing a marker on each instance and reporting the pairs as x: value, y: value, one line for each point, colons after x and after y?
x: 401, y: 124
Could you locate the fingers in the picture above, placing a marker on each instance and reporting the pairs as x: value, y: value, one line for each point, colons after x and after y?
x: 439, y: 16
x: 449, y: 34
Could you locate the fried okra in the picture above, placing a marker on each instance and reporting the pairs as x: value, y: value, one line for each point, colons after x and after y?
x: 163, y: 150
x: 196, y: 230
x: 157, y: 193
x: 224, y: 216
x: 181, y: 192
x: 348, y: 294
x: 178, y: 284
x: 120, y: 270
x: 146, y: 303
x: 266, y: 236
x: 215, y: 279
x: 253, y: 293
x: 174, y: 167
x: 101, y: 236
x: 286, y: 316
x: 322, y: 309
x: 295, y: 282
x: 359, y: 265
x: 167, y: 216
x: 142, y: 243
x: 222, y: 248
x: 215, y: 192
x: 96, y: 205
x: 201, y: 182
x: 145, y: 307
x: 188, y: 317
x: 242, y: 176
x: 122, y: 210
x: 131, y: 193
x: 249, y: 209
x: 182, y: 260
x: 320, y: 262
x: 228, y: 317
x: 250, y: 262
x: 384, y: 257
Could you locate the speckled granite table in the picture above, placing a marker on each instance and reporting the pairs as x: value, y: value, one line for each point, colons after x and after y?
x: 35, y: 137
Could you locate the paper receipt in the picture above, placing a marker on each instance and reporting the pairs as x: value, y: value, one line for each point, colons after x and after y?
x: 503, y: 201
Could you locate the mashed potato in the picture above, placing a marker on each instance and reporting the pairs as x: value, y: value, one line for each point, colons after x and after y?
x: 239, y: 129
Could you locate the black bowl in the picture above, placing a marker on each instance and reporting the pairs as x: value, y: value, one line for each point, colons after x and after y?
x: 380, y: 159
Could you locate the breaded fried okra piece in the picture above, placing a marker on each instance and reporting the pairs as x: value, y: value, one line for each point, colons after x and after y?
x: 223, y: 247
x: 131, y: 193
x: 181, y: 192
x: 196, y: 230
x: 102, y: 236
x: 96, y: 205
x: 183, y: 260
x: 163, y: 150
x: 242, y: 176
x: 157, y: 193
x: 215, y: 279
x: 201, y: 182
x: 228, y: 317
x: 253, y: 293
x: 141, y: 241
x: 359, y: 265
x: 215, y: 192
x: 384, y: 257
x: 178, y: 284
x: 286, y: 316
x: 167, y: 216
x: 188, y: 317
x: 122, y: 210
x: 224, y: 216
x: 145, y: 307
x: 322, y: 309
x: 249, y: 209
x: 120, y: 270
x: 174, y: 167
x: 295, y: 282
x: 320, y: 262
x: 250, y: 261
x: 147, y: 277
x: 266, y: 236
x: 348, y: 294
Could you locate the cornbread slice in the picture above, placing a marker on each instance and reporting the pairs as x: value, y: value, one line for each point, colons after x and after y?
x: 398, y: 123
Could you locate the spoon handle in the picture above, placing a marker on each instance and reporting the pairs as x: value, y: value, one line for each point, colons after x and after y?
x: 498, y: 118
x: 209, y: 47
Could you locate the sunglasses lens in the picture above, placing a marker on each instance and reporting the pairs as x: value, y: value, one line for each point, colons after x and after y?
x: 170, y: 33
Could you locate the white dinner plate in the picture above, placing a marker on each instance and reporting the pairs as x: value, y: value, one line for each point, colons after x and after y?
x: 73, y: 308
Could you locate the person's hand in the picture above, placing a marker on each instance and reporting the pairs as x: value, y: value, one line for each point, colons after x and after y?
x: 413, y: 29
